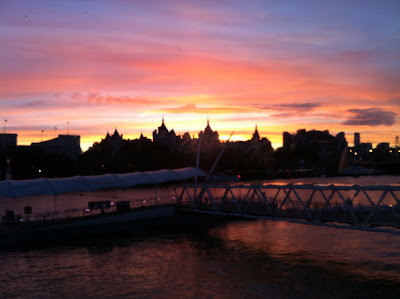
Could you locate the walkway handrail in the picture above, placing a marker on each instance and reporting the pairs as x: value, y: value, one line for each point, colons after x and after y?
x: 316, y: 204
x: 304, y: 186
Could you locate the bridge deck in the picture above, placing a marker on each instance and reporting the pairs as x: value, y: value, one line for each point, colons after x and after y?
x: 358, y: 207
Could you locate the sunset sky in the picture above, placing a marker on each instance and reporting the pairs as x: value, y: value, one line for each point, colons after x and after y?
x: 281, y: 65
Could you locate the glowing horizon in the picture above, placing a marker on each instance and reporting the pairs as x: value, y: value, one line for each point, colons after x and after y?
x: 87, y: 141
x: 101, y: 65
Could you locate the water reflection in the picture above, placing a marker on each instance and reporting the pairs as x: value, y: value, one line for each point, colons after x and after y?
x: 241, y: 259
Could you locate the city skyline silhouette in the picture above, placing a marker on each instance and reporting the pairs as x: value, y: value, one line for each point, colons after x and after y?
x: 195, y: 135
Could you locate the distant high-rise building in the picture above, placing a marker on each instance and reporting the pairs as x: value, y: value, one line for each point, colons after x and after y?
x: 356, y: 141
x: 287, y: 141
x: 365, y: 147
x: 7, y: 141
x: 318, y: 149
x: 69, y: 145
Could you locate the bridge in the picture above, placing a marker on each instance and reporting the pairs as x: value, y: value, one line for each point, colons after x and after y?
x: 372, y: 208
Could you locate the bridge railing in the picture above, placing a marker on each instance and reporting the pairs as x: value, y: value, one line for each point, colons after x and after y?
x: 356, y: 206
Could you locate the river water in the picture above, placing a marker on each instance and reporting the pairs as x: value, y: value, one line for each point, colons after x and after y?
x: 238, y: 259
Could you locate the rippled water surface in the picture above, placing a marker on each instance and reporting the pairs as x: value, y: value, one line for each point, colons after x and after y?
x: 240, y: 259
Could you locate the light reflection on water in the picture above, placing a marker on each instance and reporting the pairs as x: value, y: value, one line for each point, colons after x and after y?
x: 241, y: 259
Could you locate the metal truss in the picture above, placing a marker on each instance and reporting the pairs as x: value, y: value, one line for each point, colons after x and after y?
x: 358, y: 207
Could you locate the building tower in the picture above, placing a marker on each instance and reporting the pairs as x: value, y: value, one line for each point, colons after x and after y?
x: 356, y: 141
x: 209, y: 138
x: 256, y: 136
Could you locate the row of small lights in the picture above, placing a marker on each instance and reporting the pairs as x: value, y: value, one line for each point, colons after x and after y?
x: 370, y: 150
x: 143, y: 201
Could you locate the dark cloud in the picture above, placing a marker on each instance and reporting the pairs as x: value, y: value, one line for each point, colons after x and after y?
x: 283, y: 110
x: 395, y: 102
x: 97, y: 98
x: 76, y: 95
x: 105, y: 99
x: 297, y: 106
x: 192, y: 108
x: 289, y: 106
x: 371, y: 117
x: 282, y: 115
x: 34, y: 104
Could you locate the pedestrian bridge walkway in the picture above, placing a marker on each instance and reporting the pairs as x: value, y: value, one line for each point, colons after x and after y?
x: 375, y: 208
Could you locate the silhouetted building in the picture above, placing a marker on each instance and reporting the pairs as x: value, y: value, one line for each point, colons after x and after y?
x: 257, y: 142
x: 314, y: 149
x: 384, y: 146
x: 360, y: 152
x: 365, y: 148
x: 258, y: 146
x: 69, y: 145
x: 165, y: 137
x: 287, y: 143
x: 356, y: 141
x: 209, y: 138
x: 7, y: 141
x: 188, y: 144
x: 116, y: 140
x: 186, y: 137
x: 144, y: 139
x: 321, y: 140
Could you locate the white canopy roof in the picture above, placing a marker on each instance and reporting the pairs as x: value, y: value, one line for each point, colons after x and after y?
x: 11, y: 188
